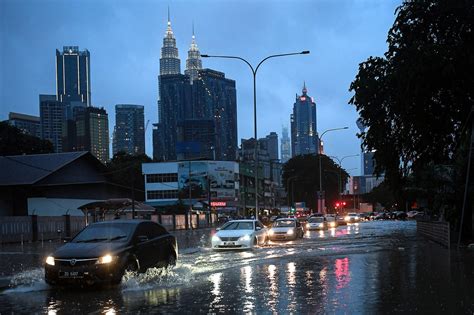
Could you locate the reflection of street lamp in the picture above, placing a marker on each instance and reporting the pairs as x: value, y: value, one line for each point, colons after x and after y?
x: 254, y: 72
x: 320, y: 201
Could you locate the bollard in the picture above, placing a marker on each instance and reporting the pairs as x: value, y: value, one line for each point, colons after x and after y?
x: 22, y: 242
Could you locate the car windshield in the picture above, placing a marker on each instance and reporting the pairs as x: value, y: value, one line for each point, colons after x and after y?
x: 235, y: 225
x: 104, y: 233
x: 316, y: 220
x: 284, y: 223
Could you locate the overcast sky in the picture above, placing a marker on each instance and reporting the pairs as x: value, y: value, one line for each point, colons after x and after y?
x: 124, y: 39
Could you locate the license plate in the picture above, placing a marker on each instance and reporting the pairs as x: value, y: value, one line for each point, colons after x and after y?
x: 71, y: 274
x: 229, y: 243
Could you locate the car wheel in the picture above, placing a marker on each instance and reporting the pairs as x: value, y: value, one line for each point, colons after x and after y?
x: 255, y: 241
x: 131, y: 266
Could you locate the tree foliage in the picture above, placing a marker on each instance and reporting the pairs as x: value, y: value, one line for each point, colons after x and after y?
x: 301, y: 179
x: 123, y: 169
x: 415, y: 100
x: 14, y: 142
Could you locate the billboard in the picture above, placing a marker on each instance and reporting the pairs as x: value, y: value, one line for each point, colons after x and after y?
x: 192, y: 177
x: 219, y: 178
x: 223, y: 179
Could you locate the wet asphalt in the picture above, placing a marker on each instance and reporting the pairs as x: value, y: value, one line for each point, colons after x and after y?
x: 366, y: 268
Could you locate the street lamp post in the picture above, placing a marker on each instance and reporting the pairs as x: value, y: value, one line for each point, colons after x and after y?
x: 320, y: 201
x: 254, y: 73
x: 340, y: 169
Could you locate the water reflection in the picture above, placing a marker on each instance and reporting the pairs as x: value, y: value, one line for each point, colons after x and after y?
x: 273, y: 290
x: 341, y: 270
x: 321, y: 234
x: 246, y: 276
x: 333, y: 232
x: 110, y: 311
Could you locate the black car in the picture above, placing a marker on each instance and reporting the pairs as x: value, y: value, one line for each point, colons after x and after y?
x: 102, y: 252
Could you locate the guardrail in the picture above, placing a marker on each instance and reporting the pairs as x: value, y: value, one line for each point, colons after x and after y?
x: 438, y: 232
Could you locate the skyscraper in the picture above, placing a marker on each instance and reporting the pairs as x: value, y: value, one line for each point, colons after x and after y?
x: 285, y: 146
x: 169, y: 61
x: 214, y: 97
x: 52, y: 118
x: 175, y: 101
x: 272, y: 146
x: 304, y: 137
x: 92, y: 130
x: 129, y: 132
x: 28, y: 124
x: 193, y: 63
x: 73, y: 81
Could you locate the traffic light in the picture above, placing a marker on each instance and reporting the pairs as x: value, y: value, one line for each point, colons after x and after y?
x: 344, y: 203
x: 337, y: 204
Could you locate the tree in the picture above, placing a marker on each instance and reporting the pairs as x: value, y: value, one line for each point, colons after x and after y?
x: 416, y: 100
x: 126, y: 170
x: 14, y: 142
x: 301, y: 179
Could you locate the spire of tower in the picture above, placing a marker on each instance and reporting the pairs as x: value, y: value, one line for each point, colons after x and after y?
x: 304, y: 88
x: 169, y: 61
x: 193, y: 63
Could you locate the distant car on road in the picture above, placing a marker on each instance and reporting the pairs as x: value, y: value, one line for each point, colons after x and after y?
x: 240, y: 234
x: 286, y: 229
x: 331, y: 220
x: 316, y: 223
x: 352, y: 217
x: 102, y: 252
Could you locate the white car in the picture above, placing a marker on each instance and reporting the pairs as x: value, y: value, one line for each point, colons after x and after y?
x: 352, y: 217
x: 286, y: 229
x: 240, y: 234
x: 316, y: 223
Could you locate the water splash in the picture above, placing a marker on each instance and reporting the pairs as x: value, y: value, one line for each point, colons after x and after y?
x: 158, y: 277
x: 27, y: 281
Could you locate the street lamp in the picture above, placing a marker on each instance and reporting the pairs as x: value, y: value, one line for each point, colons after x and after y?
x: 320, y: 201
x: 340, y: 169
x: 254, y: 72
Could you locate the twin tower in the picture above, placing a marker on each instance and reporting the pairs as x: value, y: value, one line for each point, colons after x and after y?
x: 197, y: 110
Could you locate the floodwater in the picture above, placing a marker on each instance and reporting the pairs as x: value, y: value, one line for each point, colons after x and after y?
x: 370, y: 267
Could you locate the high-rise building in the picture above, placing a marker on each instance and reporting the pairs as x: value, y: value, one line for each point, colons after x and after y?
x: 271, y: 143
x: 73, y: 80
x: 197, y: 111
x: 129, y: 132
x: 214, y: 97
x: 28, y: 124
x: 92, y: 129
x: 304, y: 136
x: 175, y: 101
x: 193, y: 63
x: 369, y: 164
x: 169, y: 61
x: 52, y: 119
x: 285, y: 146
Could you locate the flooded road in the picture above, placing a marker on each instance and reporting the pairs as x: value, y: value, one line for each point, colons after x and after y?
x: 371, y: 267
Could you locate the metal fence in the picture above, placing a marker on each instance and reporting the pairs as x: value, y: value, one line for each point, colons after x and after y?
x: 438, y: 232
x: 41, y: 228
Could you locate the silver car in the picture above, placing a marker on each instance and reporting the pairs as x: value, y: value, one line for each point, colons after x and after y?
x: 286, y: 229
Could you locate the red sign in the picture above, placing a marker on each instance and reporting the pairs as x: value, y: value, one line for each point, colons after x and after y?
x: 218, y: 203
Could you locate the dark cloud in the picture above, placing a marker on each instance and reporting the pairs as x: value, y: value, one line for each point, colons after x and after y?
x: 124, y: 39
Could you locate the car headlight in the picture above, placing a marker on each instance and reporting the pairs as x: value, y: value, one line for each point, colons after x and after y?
x: 245, y: 238
x: 215, y: 238
x: 271, y: 232
x: 332, y: 224
x: 290, y: 232
x: 107, y: 259
x: 347, y: 218
x: 321, y: 224
x: 308, y: 225
x: 50, y: 260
